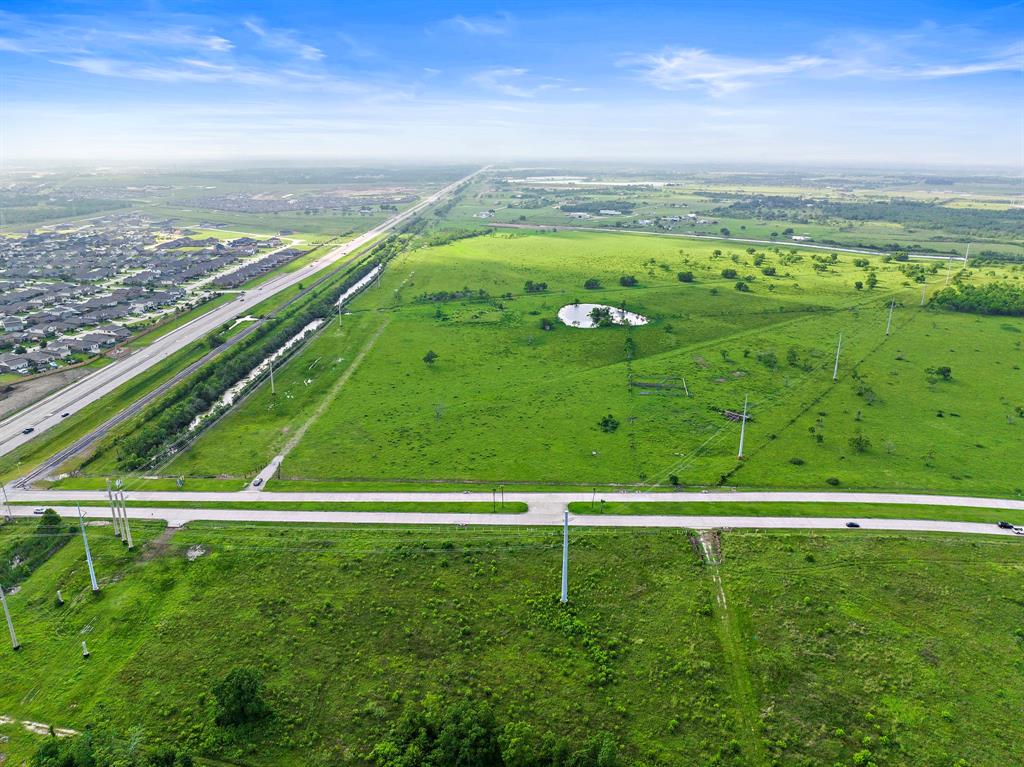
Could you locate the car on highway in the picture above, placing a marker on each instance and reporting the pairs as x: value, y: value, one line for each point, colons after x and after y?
x: 257, y: 482
x: 28, y: 430
x: 1018, y: 531
x: 1005, y: 525
x: 853, y: 524
x: 38, y: 510
x: 64, y: 415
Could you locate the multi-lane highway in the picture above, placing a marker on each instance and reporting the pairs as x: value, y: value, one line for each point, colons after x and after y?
x: 47, y: 413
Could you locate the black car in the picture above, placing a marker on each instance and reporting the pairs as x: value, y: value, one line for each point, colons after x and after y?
x: 1006, y: 525
x: 28, y: 430
x: 853, y: 524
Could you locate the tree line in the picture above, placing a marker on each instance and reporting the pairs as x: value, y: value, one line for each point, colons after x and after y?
x: 1000, y: 298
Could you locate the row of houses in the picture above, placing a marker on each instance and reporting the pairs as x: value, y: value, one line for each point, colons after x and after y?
x: 63, y: 349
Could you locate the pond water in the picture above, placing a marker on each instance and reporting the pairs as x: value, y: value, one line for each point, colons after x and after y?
x: 578, y: 315
x: 229, y: 397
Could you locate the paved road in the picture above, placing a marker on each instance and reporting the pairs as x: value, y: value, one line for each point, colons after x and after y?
x: 47, y: 413
x: 544, y: 509
x: 542, y: 516
x: 691, y: 236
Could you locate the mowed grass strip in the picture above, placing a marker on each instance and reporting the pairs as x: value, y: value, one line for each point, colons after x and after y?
x: 831, y: 510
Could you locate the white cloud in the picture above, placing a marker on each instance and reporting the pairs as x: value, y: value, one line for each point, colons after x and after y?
x: 694, y: 68
x: 480, y: 25
x: 510, y: 81
x: 283, y: 40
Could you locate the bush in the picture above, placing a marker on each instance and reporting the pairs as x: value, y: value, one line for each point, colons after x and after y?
x: 797, y: 461
x: 240, y: 698
x: 628, y: 281
x: 742, y: 287
x: 834, y: 481
x: 685, y: 276
x: 609, y: 423
x: 729, y: 274
x: 592, y: 284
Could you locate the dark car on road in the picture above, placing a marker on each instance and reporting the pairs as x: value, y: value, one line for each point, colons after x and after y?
x: 28, y: 430
x: 1005, y: 525
x: 853, y: 524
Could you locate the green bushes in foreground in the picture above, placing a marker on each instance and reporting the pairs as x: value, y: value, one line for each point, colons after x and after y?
x: 26, y: 554
x: 439, y: 734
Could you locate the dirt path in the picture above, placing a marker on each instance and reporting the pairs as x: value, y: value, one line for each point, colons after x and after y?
x: 748, y: 716
x: 39, y: 728
x: 325, y: 403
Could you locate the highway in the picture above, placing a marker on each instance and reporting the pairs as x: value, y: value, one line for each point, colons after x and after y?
x: 544, y: 509
x: 50, y: 411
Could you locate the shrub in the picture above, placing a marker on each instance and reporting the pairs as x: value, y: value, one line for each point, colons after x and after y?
x: 240, y: 698
x: 609, y: 423
x: 834, y: 481
x: 628, y: 281
x: 797, y: 461
x: 729, y: 274
x: 592, y: 284
x: 685, y: 276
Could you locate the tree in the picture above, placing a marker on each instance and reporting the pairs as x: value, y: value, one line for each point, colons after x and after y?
x: 725, y: 231
x: 729, y: 274
x: 592, y: 284
x: 945, y: 372
x: 430, y: 357
x: 432, y: 733
x: 872, y: 280
x: 239, y: 698
x: 609, y: 423
x: 685, y: 276
x: 860, y: 443
x: 627, y: 281
x: 742, y: 287
x: 858, y: 285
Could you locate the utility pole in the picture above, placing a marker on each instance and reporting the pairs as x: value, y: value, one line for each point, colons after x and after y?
x: 272, y: 389
x: 501, y: 489
x: 685, y: 390
x: 835, y: 370
x: 888, y: 324
x: 85, y: 650
x: 924, y: 290
x: 494, y: 501
x: 10, y: 624
x: 743, y: 425
x: 949, y: 265
x: 565, y: 557
x: 88, y: 554
x: 124, y: 522
x: 7, y: 506
x: 113, y: 512
x: 967, y: 255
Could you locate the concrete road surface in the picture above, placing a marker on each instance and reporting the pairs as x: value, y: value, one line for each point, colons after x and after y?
x: 47, y: 413
x: 544, y: 509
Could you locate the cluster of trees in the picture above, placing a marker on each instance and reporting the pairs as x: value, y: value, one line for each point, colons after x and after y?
x: 166, y: 420
x: 535, y: 287
x: 436, y: 733
x: 1000, y: 298
x: 454, y: 295
x: 623, y: 206
x: 100, y: 748
x: 23, y: 556
x: 592, y: 284
x: 628, y: 281
x: 685, y: 276
x: 602, y: 316
x: 446, y: 236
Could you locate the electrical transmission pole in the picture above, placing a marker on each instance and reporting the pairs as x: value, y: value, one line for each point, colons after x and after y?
x: 113, y: 512
x: 272, y: 389
x: 835, y: 370
x: 88, y: 554
x: 888, y: 324
x: 565, y: 557
x: 743, y: 425
x: 124, y: 522
x: 7, y: 506
x: 10, y: 625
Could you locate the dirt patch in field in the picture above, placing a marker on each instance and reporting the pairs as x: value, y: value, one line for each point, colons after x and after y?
x: 160, y: 545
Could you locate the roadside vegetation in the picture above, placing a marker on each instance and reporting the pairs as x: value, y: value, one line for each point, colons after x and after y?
x: 361, y: 641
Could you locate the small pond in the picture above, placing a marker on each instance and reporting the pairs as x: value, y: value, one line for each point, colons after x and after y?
x: 578, y: 315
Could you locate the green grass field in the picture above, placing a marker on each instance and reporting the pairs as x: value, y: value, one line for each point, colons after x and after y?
x: 509, y: 402
x: 818, y: 647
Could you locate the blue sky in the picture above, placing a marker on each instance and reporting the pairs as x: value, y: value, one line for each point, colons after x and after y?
x: 907, y: 83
